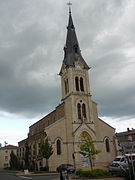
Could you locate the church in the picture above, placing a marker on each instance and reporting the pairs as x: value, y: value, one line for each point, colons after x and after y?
x: 75, y: 116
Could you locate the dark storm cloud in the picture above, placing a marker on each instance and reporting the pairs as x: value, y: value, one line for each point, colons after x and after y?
x: 32, y: 36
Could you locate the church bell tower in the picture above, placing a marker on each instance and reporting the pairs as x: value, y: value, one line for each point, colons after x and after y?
x: 74, y: 78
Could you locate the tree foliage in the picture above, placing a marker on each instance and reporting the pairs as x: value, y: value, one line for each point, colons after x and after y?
x: 87, y: 148
x: 46, y: 150
x: 26, y: 156
x: 13, y: 161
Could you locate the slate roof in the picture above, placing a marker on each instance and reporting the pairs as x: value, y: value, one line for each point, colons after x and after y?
x: 71, y: 50
x: 8, y: 147
x: 126, y: 133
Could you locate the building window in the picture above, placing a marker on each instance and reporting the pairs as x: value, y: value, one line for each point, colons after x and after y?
x: 79, y: 110
x: 58, y: 145
x: 107, y: 145
x: 5, y: 165
x: 34, y: 149
x: 77, y: 83
x: 39, y: 145
x: 66, y: 86
x: 81, y: 84
x: 6, y: 158
x: 84, y: 110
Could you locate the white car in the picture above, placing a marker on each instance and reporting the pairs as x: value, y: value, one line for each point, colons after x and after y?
x: 122, y: 160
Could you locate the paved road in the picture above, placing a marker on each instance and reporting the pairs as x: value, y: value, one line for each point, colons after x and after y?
x: 12, y: 176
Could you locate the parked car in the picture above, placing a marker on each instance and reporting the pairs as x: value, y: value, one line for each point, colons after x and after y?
x: 122, y: 160
x: 68, y: 167
x: 116, y: 168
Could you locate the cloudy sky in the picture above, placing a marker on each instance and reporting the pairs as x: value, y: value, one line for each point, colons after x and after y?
x: 32, y: 37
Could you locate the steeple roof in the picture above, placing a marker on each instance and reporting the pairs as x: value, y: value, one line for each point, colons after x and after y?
x: 72, y: 51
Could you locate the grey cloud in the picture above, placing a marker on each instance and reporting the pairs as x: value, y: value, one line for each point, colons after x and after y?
x: 32, y: 37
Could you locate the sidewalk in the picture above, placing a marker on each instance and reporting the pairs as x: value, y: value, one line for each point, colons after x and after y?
x: 109, y: 178
x: 36, y: 174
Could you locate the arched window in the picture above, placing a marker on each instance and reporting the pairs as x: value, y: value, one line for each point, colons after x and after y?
x: 85, y: 137
x: 84, y: 110
x: 79, y: 110
x: 58, y: 145
x: 107, y: 145
x: 81, y: 84
x: 65, y: 87
x: 76, y: 83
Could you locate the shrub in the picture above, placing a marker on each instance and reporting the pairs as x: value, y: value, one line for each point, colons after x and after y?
x: 92, y: 173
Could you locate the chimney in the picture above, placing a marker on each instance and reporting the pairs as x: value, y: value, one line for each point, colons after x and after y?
x: 128, y: 129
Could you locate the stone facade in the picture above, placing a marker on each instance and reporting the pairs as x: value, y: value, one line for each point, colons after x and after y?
x: 37, y: 135
x: 5, y: 155
x: 76, y: 115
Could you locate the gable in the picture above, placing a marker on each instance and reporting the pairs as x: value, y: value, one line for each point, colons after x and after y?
x: 106, y: 124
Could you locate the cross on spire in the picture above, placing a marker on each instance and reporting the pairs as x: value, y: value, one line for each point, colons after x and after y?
x: 69, y: 4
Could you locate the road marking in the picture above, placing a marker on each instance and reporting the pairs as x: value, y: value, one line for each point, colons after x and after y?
x: 25, y: 177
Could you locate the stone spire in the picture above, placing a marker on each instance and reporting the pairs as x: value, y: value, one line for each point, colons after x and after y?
x: 72, y: 51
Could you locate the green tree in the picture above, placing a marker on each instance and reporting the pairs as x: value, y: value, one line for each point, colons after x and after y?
x: 26, y: 156
x: 13, y: 161
x: 87, y: 148
x: 46, y: 151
